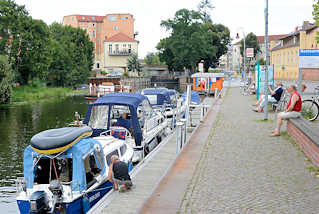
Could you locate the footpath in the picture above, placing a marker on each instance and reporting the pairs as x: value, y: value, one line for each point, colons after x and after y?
x: 241, y: 169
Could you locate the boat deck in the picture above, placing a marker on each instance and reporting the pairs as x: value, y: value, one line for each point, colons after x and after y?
x: 146, y: 176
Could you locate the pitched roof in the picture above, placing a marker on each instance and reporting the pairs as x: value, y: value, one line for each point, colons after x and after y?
x: 261, y: 39
x: 87, y: 18
x: 120, y: 37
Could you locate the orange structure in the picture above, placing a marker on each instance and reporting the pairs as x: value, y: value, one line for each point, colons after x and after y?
x: 102, y: 28
x: 207, y: 82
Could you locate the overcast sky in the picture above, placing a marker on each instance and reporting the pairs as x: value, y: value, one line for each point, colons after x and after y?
x: 284, y: 15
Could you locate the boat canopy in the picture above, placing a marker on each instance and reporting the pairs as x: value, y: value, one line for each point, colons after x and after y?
x: 195, y: 98
x: 158, y: 96
x: 102, y: 116
x: 77, y: 152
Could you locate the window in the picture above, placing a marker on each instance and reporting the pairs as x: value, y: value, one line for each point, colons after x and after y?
x: 124, y: 46
x: 129, y: 48
x: 93, y: 18
x: 93, y: 33
x: 83, y: 17
x: 110, y: 49
x: 93, y: 25
x: 123, y: 149
x: 97, y: 65
x: 112, y: 18
x: 108, y: 157
x: 116, y: 48
x: 124, y: 17
x: 72, y: 18
x: 116, y: 27
x: 99, y: 117
x: 91, y: 169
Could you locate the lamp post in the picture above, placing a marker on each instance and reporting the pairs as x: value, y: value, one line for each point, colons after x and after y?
x: 266, y: 62
x: 244, y: 52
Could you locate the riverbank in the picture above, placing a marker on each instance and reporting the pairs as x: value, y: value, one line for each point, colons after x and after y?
x: 34, y: 94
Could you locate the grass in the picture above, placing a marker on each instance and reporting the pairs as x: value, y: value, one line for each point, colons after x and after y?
x: 39, y: 93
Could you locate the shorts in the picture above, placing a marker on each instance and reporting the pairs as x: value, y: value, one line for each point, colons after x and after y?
x: 270, y: 99
x: 289, y: 115
x: 121, y: 182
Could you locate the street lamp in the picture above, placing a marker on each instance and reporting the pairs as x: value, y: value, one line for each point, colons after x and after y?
x: 244, y: 52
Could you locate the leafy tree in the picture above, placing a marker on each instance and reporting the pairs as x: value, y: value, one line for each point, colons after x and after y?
x: 191, y: 41
x: 153, y: 59
x: 26, y: 41
x: 133, y: 64
x: 5, y: 79
x: 72, y: 51
x: 204, y: 7
x: 315, y: 14
x: 251, y: 42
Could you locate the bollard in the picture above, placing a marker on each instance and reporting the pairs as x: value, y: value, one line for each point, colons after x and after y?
x: 178, y: 136
x: 183, y: 132
x: 201, y: 113
x: 215, y: 94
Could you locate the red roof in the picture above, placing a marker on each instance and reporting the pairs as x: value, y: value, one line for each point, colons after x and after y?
x: 120, y: 37
x: 261, y: 39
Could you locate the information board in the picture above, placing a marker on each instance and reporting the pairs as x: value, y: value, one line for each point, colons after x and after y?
x: 308, y: 58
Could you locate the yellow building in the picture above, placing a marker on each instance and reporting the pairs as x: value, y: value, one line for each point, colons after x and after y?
x: 285, y: 52
x: 117, y: 50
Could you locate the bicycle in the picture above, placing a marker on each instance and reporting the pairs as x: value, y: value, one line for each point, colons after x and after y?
x: 244, y: 89
x: 310, y: 107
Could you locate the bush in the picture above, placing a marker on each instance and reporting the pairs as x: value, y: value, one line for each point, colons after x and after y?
x: 6, y: 75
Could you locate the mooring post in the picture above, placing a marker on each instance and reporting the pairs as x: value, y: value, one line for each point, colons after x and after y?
x: 183, y: 132
x: 178, y: 136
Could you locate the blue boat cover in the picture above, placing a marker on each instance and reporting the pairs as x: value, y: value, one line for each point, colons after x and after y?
x: 195, y: 98
x: 132, y: 100
x: 163, y: 95
x: 53, y: 141
x: 76, y: 152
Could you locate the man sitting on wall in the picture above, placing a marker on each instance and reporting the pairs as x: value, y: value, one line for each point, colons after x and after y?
x: 293, y: 109
x: 273, y: 98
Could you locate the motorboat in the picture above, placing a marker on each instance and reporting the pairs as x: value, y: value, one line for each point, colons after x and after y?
x: 130, y: 117
x: 66, y: 170
x: 166, y: 100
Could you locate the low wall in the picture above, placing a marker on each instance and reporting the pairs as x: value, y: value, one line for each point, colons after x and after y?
x: 306, y: 136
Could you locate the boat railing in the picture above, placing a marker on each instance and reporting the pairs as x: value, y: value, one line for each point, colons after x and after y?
x: 20, y: 185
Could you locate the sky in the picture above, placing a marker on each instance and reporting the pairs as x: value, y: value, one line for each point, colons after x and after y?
x: 284, y: 15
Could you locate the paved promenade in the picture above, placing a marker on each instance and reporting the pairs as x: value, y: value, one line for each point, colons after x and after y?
x: 242, y: 170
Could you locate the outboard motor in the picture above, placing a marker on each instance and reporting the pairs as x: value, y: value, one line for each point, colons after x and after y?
x: 57, y: 191
x: 39, y: 202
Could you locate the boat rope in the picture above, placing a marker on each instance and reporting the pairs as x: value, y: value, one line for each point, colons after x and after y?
x: 95, y: 190
x: 56, y: 174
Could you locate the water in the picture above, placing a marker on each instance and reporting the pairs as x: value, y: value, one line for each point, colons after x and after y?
x: 18, y: 123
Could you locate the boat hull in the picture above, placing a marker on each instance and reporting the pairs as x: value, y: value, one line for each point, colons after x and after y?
x: 79, y: 205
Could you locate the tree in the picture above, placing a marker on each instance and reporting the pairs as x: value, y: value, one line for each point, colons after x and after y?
x: 5, y: 79
x: 251, y: 42
x: 204, y: 7
x: 192, y: 40
x: 315, y: 14
x: 153, y: 59
x: 133, y: 64
x: 26, y: 41
x: 72, y: 51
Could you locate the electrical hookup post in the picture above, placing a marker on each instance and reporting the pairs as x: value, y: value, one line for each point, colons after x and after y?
x: 308, y: 59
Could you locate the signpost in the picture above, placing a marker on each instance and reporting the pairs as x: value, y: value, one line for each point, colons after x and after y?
x: 308, y: 58
x: 250, y: 52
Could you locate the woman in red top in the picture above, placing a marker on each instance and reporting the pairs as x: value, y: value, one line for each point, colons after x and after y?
x: 293, y: 109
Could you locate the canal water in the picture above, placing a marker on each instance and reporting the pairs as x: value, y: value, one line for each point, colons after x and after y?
x: 18, y: 123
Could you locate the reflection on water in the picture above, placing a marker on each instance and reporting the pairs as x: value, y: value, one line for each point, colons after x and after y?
x: 18, y: 123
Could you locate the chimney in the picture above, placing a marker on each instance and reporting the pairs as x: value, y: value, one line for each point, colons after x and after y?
x: 305, y: 24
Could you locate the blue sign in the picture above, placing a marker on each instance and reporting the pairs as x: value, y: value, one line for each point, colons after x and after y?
x: 308, y: 58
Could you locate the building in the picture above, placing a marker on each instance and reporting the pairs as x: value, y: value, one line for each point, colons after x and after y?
x: 113, y: 37
x: 237, y: 59
x: 226, y: 60
x: 285, y: 53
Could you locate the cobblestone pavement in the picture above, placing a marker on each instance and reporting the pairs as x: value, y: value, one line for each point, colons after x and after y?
x: 242, y: 170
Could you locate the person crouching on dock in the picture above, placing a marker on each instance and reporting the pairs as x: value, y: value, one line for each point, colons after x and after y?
x: 118, y: 174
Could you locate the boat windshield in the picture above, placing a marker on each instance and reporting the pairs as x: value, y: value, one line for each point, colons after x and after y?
x: 99, y: 117
x: 152, y: 98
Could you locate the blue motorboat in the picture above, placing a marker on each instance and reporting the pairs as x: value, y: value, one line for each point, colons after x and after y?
x: 66, y: 170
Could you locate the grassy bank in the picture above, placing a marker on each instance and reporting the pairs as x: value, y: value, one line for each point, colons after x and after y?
x: 33, y: 94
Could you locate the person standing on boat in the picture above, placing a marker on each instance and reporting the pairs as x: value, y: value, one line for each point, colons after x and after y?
x: 118, y: 174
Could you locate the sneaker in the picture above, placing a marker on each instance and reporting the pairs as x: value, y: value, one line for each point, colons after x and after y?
x: 122, y: 188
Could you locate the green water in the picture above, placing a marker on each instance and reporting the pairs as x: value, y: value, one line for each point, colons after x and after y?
x: 18, y: 123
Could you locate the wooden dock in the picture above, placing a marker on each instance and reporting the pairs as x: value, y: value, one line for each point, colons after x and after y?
x: 146, y: 176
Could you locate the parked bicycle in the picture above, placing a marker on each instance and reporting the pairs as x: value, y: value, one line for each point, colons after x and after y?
x: 244, y: 89
x: 310, y: 107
